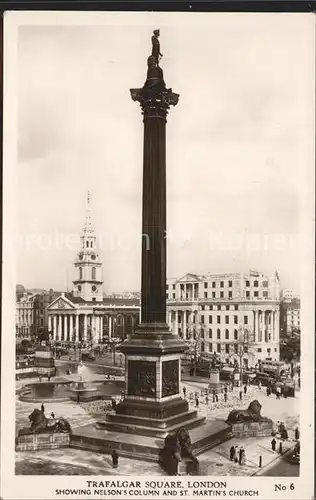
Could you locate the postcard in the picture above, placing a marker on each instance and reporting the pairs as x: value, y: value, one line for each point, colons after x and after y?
x: 158, y: 249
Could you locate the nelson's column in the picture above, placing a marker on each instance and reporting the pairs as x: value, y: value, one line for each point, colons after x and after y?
x: 152, y: 405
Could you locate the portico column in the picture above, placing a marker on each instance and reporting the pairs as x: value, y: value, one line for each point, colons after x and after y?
x: 110, y: 327
x: 273, y: 325
x: 54, y: 326
x: 85, y: 325
x: 49, y: 323
x: 65, y: 327
x: 176, y: 323
x: 71, y: 328
x: 255, y: 326
x: 101, y: 329
x: 59, y: 326
x: 184, y: 325
x: 260, y: 326
x: 77, y: 327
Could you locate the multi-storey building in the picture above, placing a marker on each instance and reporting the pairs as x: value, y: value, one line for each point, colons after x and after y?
x: 85, y: 316
x: 290, y: 316
x: 223, y: 310
x: 289, y: 294
x: 24, y: 315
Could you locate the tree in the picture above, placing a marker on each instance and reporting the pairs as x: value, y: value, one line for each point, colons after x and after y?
x: 196, y: 333
x: 243, y: 346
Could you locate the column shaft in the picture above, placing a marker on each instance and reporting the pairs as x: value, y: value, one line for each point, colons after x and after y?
x: 65, y: 328
x: 184, y: 325
x: 77, y: 327
x: 85, y: 328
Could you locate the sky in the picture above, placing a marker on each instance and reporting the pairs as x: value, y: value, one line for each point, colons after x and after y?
x: 237, y: 144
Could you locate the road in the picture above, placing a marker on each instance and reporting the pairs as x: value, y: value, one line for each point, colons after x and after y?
x: 282, y: 467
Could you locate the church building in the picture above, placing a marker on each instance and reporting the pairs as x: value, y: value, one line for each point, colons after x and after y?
x: 85, y: 316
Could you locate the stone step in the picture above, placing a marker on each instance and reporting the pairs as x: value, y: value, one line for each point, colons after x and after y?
x: 151, y: 422
x: 142, y: 430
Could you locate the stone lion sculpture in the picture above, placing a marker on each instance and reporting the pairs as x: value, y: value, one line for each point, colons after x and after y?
x: 176, y: 447
x: 41, y: 424
x: 252, y: 414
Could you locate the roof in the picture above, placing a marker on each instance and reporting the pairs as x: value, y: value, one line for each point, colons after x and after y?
x: 118, y: 301
x: 75, y: 300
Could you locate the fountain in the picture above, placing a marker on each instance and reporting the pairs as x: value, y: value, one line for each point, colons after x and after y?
x: 83, y: 390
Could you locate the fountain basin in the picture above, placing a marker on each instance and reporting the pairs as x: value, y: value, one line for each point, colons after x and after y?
x: 66, y: 391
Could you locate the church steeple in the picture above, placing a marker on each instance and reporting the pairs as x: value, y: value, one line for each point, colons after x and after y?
x: 88, y: 267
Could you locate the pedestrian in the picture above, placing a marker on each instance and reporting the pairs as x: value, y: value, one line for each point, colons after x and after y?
x: 245, y: 389
x: 214, y: 396
x: 236, y: 455
x: 297, y: 434
x: 232, y: 453
x: 42, y: 408
x: 48, y: 378
x: 184, y: 391
x: 225, y: 397
x: 243, y: 456
x: 267, y: 390
x: 278, y: 392
x: 206, y: 400
x: 259, y: 385
x: 241, y: 450
x: 115, y: 458
x: 197, y: 402
x: 225, y: 389
x: 113, y: 402
x: 52, y: 414
x: 240, y: 395
x: 40, y: 378
x: 273, y: 444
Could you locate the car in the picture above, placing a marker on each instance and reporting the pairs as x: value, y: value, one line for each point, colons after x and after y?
x: 264, y: 378
x: 87, y: 356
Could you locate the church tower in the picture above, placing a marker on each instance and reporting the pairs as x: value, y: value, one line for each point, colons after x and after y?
x: 88, y: 268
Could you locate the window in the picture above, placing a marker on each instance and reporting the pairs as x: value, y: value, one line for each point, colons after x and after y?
x: 230, y: 294
x: 218, y: 319
x: 213, y: 295
x: 80, y: 273
x: 256, y: 294
x: 246, y: 349
x: 259, y: 349
x: 236, y: 320
x: 246, y: 320
x: 173, y: 295
x: 93, y: 299
x: 221, y: 295
x: 213, y: 284
x: 202, y: 346
x: 94, y: 288
x: 202, y: 318
x: 227, y: 308
x: 236, y: 348
x: 226, y: 334
x: 247, y: 294
x: 93, y: 273
x: 265, y: 283
x: 202, y: 308
x: 227, y: 320
x: 211, y: 308
x: 173, y: 287
x: 218, y: 333
x: 210, y: 347
x: 235, y: 334
x: 202, y: 334
x: 255, y: 283
x: 265, y: 294
x: 87, y: 244
x: 227, y: 348
x: 218, y: 347
x: 230, y: 283
x: 205, y: 285
x: 275, y: 349
x: 167, y: 287
x: 210, y: 319
x: 205, y: 295
x: 247, y: 283
x: 222, y: 284
x: 210, y: 333
x: 236, y: 308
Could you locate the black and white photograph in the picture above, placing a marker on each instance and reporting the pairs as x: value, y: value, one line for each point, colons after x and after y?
x: 158, y: 255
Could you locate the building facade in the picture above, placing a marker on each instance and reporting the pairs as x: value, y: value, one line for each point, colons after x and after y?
x: 290, y: 314
x: 220, y: 309
x: 85, y: 316
x: 24, y: 315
